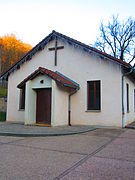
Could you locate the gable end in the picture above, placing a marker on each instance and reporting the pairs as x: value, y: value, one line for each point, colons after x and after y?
x: 41, y: 45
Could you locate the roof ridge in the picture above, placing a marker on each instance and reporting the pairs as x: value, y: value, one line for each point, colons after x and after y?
x: 42, y: 44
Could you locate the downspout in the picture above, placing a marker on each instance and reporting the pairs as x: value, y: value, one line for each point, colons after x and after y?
x: 69, y: 107
x: 123, y: 101
x: 123, y: 109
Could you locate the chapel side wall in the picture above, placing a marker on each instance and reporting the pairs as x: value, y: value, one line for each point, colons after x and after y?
x: 13, y: 112
x: 60, y: 105
x: 129, y: 116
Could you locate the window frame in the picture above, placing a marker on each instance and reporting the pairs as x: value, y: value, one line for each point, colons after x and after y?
x: 94, y: 108
x: 127, y: 97
x: 22, y: 98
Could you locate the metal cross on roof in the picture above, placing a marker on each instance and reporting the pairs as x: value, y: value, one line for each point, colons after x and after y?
x: 55, y: 49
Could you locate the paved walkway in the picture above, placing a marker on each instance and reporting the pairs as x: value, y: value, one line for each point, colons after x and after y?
x: 102, y: 154
x: 15, y: 129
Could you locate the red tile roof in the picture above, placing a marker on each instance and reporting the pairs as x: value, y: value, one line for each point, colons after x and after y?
x: 59, y: 78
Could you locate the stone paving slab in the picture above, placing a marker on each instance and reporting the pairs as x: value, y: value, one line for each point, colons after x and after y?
x: 102, y: 132
x: 96, y: 155
x: 103, y: 169
x: 9, y: 139
x: 130, y: 134
x: 72, y: 144
x: 121, y: 148
x: 16, y: 129
x: 29, y: 163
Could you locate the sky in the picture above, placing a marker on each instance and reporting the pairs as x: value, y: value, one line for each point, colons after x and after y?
x: 33, y: 20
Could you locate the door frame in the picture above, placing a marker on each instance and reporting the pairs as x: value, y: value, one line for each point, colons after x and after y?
x: 45, y: 123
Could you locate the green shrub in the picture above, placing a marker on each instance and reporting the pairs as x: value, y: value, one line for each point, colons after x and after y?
x: 3, y: 92
x: 2, y: 116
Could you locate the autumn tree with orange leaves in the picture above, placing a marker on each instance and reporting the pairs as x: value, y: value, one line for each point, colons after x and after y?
x: 11, y: 50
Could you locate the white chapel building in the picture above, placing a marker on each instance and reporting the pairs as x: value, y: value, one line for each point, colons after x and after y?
x: 62, y: 81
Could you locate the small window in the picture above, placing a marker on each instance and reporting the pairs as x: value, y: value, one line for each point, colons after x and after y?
x: 93, y: 95
x: 127, y: 88
x: 22, y: 98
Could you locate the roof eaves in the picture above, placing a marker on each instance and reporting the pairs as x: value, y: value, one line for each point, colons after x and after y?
x: 76, y: 84
x: 70, y: 41
x: 30, y: 77
x: 70, y: 86
x: 90, y: 49
x: 28, y: 56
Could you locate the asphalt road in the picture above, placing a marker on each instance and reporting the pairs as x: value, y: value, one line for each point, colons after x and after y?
x: 103, y: 154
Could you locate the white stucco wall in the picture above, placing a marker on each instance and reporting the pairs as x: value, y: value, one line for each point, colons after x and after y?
x: 111, y: 107
x: 129, y: 116
x: 59, y: 105
x: 13, y: 112
x: 47, y: 82
x: 30, y: 104
x: 80, y: 67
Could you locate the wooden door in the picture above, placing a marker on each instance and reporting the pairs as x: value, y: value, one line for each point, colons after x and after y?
x: 43, y: 107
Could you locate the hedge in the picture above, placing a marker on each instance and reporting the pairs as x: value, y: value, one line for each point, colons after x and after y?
x: 2, y: 116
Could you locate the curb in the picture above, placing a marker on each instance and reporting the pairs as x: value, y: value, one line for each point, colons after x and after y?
x: 43, y: 135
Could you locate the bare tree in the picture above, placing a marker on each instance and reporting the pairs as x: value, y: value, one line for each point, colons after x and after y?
x: 117, y: 38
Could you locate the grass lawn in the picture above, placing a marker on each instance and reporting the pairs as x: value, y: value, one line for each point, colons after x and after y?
x: 2, y: 116
x: 3, y: 92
